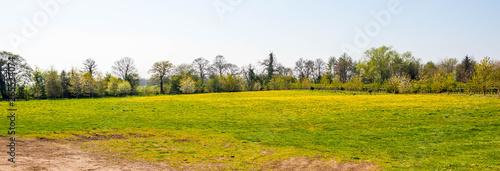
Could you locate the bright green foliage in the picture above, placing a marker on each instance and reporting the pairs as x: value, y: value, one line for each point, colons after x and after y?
x: 113, y: 86
x: 39, y: 83
x: 102, y: 85
x: 393, y: 85
x: 381, y: 63
x: 439, y: 81
x: 75, y: 83
x: 326, y: 79
x: 124, y: 88
x: 53, y: 87
x: 279, y: 82
x: 336, y: 83
x: 484, y: 78
x: 357, y: 82
x: 376, y: 66
x: 160, y: 73
x: 303, y: 83
x: 148, y: 90
x: 214, y: 85
x: 451, y: 84
x: 231, y: 83
x: 89, y: 85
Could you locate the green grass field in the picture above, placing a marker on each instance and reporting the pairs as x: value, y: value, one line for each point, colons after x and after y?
x: 249, y: 129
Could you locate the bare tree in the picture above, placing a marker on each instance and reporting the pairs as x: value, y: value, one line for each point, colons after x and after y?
x: 309, y: 64
x: 220, y: 65
x: 345, y: 67
x: 202, y: 66
x: 89, y: 65
x: 300, y: 68
x: 448, y: 65
x: 126, y: 70
x: 283, y: 71
x: 160, y: 72
x: 232, y: 69
x: 185, y: 70
x: 319, y: 67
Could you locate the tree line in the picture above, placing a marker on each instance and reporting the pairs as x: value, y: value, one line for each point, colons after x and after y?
x: 381, y: 69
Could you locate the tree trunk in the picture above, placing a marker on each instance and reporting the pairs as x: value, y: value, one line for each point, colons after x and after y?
x: 161, y: 86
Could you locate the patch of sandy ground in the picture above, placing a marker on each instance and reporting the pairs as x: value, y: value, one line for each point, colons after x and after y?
x: 40, y: 155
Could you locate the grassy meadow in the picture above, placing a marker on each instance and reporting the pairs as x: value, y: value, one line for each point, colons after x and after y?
x: 247, y: 130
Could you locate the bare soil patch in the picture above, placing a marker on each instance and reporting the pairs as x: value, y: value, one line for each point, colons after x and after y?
x: 45, y: 154
x: 40, y: 155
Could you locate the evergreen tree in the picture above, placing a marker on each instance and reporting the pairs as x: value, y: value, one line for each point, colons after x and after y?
x: 64, y: 78
x: 465, y: 70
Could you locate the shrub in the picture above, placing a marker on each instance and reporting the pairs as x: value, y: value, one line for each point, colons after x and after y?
x: 256, y: 87
x: 124, y: 88
x: 113, y: 86
x: 187, y: 85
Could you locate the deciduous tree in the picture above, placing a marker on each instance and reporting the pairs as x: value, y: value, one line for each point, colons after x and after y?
x: 319, y: 68
x: 448, y: 65
x: 345, y: 68
x: 89, y: 85
x: 75, y: 83
x: 113, y: 86
x: 483, y: 77
x: 160, y: 73
x: 124, y: 88
x: 202, y: 66
x: 378, y: 61
x: 53, y: 87
x: 23, y: 71
x: 102, y: 84
x: 90, y: 66
x: 220, y: 65
x: 332, y: 63
x: 187, y: 85
x: 300, y: 68
x: 126, y: 70
x: 39, y: 83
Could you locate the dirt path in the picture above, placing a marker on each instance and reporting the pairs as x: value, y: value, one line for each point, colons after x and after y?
x: 46, y: 155
x: 39, y: 155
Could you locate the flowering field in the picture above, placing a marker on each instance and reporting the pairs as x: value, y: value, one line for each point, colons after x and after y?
x: 251, y: 129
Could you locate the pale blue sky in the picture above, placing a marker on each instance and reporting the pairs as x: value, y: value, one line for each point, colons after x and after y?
x: 180, y: 31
